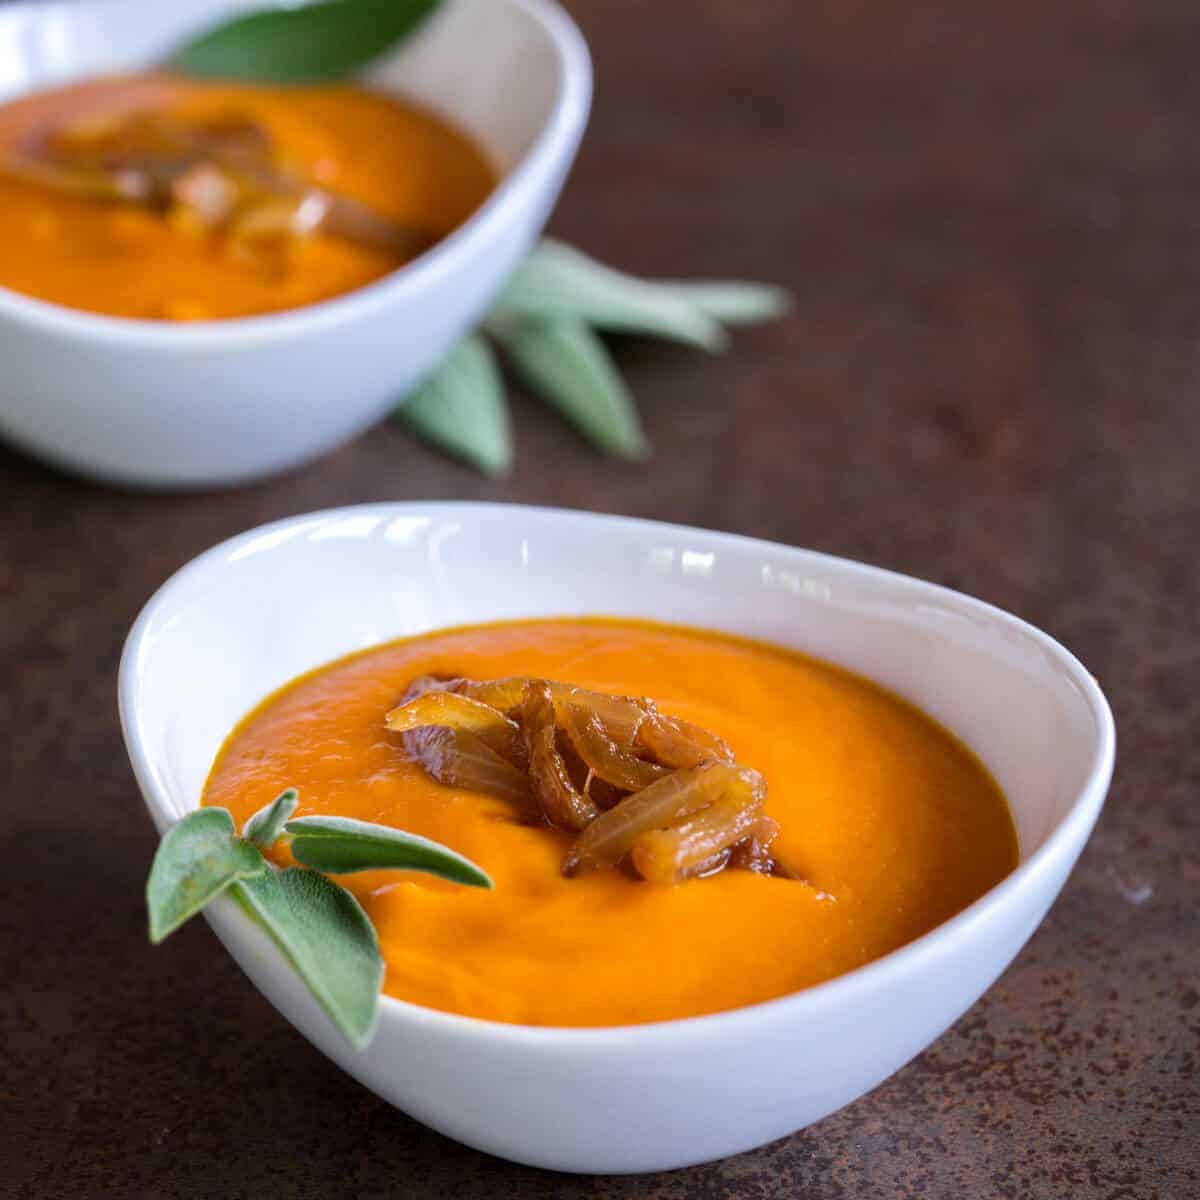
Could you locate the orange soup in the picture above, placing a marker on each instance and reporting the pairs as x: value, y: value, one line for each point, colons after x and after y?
x: 888, y: 826
x: 171, y: 245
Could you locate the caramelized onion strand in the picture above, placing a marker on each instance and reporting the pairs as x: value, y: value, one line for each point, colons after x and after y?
x: 604, y: 758
x: 562, y: 802
x: 462, y: 760
x: 611, y: 835
x: 671, y: 855
x: 678, y: 744
x: 631, y: 782
x: 460, y: 712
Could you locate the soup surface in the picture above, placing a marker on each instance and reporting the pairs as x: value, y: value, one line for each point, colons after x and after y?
x: 137, y: 260
x: 891, y: 824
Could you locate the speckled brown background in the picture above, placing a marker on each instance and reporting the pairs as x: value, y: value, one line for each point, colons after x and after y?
x: 990, y: 214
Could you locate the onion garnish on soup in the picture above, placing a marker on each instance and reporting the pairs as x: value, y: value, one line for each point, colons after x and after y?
x: 638, y: 787
x: 162, y: 197
x: 212, y: 174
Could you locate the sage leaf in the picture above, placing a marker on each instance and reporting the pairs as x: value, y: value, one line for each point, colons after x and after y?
x: 559, y: 281
x: 323, y: 931
x: 197, y: 859
x: 567, y: 364
x: 264, y: 828
x: 328, y: 39
x: 342, y: 845
x: 734, y: 303
x: 461, y: 408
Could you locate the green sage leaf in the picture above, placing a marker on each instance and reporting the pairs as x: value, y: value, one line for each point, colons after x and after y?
x: 328, y: 39
x: 342, y: 845
x: 567, y: 364
x: 461, y: 408
x: 326, y: 936
x: 557, y: 281
x: 264, y: 828
x: 197, y: 859
x: 733, y: 303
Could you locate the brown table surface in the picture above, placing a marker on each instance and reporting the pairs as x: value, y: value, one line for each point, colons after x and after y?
x: 991, y: 219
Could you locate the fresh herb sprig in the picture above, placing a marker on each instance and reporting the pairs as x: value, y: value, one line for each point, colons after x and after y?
x: 547, y: 317
x: 318, y: 925
x: 546, y: 322
x: 323, y: 40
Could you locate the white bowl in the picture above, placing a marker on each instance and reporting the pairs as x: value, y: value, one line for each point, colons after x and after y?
x: 256, y: 611
x: 151, y: 403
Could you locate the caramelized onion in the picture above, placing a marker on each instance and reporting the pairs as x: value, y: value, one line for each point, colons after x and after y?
x: 754, y: 852
x: 689, y: 845
x: 676, y: 743
x: 150, y: 157
x: 506, y: 695
x: 460, y: 712
x: 352, y: 221
x: 602, y: 756
x: 622, y: 716
x: 433, y: 683
x: 602, y: 794
x: 712, y: 866
x: 207, y: 192
x: 562, y: 802
x: 114, y: 187
x: 464, y: 761
x: 611, y: 835
x: 631, y: 782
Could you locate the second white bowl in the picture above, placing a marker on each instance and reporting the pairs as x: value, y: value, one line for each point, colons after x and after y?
x: 155, y: 404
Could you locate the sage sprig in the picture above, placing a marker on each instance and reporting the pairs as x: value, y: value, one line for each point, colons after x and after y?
x: 343, y: 845
x: 196, y: 861
x: 546, y: 320
x: 557, y: 281
x: 565, y: 363
x: 328, y: 39
x: 265, y: 826
x: 733, y: 302
x: 319, y: 926
x: 324, y: 933
x: 461, y: 408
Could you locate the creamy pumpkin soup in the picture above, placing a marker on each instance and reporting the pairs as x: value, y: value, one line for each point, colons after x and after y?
x: 158, y: 197
x: 676, y: 821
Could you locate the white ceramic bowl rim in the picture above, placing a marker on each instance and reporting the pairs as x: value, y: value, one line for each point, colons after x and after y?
x: 837, y: 993
x: 568, y: 116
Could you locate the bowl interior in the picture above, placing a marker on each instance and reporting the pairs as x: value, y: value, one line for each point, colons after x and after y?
x: 255, y: 612
x: 492, y: 67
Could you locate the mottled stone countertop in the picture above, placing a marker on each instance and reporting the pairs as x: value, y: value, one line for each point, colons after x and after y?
x: 990, y: 215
